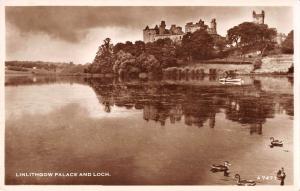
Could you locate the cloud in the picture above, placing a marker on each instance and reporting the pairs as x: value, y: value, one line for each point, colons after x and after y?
x: 71, y: 23
x: 40, y: 46
x: 74, y: 33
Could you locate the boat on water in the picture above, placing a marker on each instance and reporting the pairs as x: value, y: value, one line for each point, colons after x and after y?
x: 237, y: 81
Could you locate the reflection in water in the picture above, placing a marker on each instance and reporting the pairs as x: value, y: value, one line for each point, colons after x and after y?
x: 247, y: 105
x: 136, y: 149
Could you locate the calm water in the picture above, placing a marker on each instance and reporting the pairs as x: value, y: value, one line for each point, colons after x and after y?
x: 147, y: 132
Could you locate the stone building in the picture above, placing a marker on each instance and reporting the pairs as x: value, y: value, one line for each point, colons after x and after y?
x: 175, y: 33
x: 213, y: 27
x: 191, y: 27
x: 259, y: 18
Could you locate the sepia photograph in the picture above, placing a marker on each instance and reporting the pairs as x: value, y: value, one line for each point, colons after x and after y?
x: 149, y: 95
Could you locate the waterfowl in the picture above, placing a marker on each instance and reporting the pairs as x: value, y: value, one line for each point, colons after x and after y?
x: 220, y: 167
x: 276, y: 142
x: 281, y: 176
x: 244, y: 182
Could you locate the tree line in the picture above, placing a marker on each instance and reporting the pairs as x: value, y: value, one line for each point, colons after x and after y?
x: 57, y: 67
x: 139, y: 57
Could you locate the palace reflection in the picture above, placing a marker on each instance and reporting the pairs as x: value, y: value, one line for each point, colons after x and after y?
x: 135, y: 126
x: 195, y: 104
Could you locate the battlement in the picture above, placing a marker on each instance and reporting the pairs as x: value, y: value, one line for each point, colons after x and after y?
x: 191, y: 27
x: 175, y: 33
x: 258, y: 18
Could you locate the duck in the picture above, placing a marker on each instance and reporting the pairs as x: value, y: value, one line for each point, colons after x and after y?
x: 244, y: 182
x: 280, y: 173
x: 275, y: 142
x: 281, y: 176
x: 220, y: 167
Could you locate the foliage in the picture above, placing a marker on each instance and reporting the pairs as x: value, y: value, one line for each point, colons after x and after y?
x: 220, y: 43
x: 288, y: 43
x: 139, y: 47
x: 73, y: 69
x: 148, y: 63
x: 233, y: 36
x: 154, y: 56
x: 103, y: 61
x: 52, y: 67
x: 135, y: 49
x: 17, y: 68
x: 125, y: 62
x: 250, y: 36
x: 38, y: 64
x: 133, y: 58
x: 164, y: 51
x: 197, y: 45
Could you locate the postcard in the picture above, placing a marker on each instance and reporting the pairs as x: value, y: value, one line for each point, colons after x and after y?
x: 146, y: 95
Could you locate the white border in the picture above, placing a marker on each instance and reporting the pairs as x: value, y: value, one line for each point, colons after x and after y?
x: 2, y: 108
x: 149, y: 3
x: 296, y: 95
x: 294, y: 3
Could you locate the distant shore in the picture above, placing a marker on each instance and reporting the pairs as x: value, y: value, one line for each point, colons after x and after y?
x: 12, y: 74
x: 280, y: 64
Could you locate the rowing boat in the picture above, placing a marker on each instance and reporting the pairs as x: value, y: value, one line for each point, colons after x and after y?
x: 231, y: 81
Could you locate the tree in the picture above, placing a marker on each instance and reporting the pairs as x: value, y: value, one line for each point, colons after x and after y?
x: 139, y: 47
x: 124, y: 62
x: 197, y: 45
x: 148, y: 63
x: 135, y: 49
x: 164, y: 52
x: 233, y: 36
x: 250, y: 36
x: 288, y: 43
x: 119, y: 46
x: 220, y: 43
x: 103, y: 61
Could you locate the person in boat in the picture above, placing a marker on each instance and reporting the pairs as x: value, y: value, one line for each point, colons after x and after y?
x: 227, y: 75
x: 281, y: 176
x: 230, y: 74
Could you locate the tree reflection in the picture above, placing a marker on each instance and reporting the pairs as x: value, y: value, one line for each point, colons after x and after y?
x: 197, y: 105
x: 168, y: 102
x: 177, y: 100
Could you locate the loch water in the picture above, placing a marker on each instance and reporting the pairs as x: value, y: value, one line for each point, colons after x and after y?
x: 147, y: 132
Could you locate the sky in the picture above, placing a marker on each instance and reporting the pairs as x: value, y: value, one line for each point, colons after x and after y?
x: 65, y: 34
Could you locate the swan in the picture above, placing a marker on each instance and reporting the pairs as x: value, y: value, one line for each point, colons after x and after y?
x: 244, y: 182
x: 220, y: 167
x: 281, y: 176
x: 275, y: 142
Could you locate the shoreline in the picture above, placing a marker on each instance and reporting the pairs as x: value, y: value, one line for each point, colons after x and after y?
x: 111, y: 75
